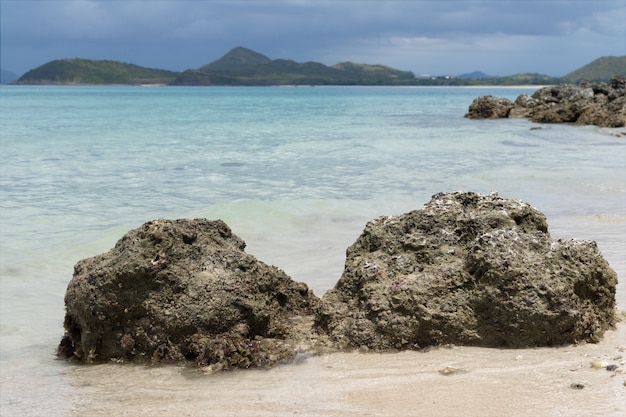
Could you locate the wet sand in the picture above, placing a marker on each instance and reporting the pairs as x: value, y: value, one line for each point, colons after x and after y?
x: 481, y: 382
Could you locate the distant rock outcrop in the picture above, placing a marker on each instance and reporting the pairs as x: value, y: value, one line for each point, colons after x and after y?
x: 184, y: 290
x: 490, y: 107
x: 597, y: 104
x: 468, y: 269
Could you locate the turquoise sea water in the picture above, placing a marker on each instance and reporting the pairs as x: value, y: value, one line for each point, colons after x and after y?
x: 295, y: 172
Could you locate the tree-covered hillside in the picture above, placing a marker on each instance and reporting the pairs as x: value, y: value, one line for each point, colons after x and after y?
x: 243, y: 66
x: 602, y: 69
x: 86, y: 71
x: 237, y: 59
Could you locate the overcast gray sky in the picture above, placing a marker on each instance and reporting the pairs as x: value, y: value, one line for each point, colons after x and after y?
x: 439, y: 37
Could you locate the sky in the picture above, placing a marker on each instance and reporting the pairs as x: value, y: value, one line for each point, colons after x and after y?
x: 443, y: 37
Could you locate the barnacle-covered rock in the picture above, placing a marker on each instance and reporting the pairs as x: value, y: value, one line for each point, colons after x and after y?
x: 184, y: 290
x: 468, y: 269
x: 597, y: 104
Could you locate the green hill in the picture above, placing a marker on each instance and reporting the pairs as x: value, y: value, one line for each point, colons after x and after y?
x: 602, y: 69
x: 85, y: 71
x: 374, y: 74
x: 242, y: 66
x: 236, y: 59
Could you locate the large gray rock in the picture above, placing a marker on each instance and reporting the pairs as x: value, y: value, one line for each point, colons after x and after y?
x: 468, y: 269
x: 597, y: 104
x: 490, y: 107
x: 184, y: 290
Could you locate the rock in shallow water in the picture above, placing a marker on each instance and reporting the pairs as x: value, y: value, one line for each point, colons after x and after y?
x: 184, y: 290
x: 468, y: 269
x: 597, y: 104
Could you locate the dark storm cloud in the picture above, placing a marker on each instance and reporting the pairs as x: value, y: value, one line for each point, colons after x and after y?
x: 442, y: 36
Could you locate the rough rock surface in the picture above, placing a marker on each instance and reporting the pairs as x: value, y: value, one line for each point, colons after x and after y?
x: 184, y: 290
x: 490, y: 107
x: 468, y: 269
x: 597, y: 104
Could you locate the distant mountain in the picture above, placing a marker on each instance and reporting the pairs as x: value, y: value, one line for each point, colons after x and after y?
x: 476, y: 75
x: 7, y: 76
x: 602, y: 69
x: 237, y: 59
x: 86, y: 71
x: 242, y: 66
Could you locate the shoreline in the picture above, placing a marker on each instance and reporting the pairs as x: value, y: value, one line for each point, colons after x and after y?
x: 450, y: 381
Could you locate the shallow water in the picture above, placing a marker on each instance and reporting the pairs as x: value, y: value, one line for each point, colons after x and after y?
x: 296, y: 172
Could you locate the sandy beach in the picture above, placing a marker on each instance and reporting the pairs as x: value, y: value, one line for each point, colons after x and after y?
x: 447, y: 381
x: 442, y: 382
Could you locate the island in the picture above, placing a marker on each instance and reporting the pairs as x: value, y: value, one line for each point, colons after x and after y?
x: 245, y: 67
